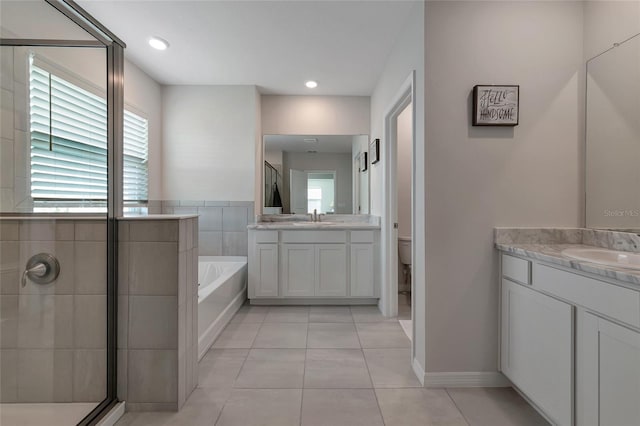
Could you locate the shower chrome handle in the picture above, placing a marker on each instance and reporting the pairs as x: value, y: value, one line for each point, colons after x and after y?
x: 37, y: 271
x: 42, y: 268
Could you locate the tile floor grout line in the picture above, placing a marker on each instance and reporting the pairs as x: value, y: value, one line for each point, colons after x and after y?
x: 373, y: 387
x: 304, y: 372
x: 236, y: 378
x: 467, y: 421
x: 306, y: 348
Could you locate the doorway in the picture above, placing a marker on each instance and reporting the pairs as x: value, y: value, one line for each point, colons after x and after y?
x: 403, y: 101
x: 404, y: 189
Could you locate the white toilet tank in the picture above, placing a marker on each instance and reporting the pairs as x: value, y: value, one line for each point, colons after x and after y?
x: 404, y: 250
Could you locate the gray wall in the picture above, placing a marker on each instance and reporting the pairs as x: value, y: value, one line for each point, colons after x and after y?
x: 407, y: 56
x: 209, y: 142
x: 479, y: 178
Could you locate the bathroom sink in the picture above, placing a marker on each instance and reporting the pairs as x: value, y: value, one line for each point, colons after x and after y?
x: 622, y: 259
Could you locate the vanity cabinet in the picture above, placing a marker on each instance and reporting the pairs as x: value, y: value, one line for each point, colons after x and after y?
x: 308, y: 265
x: 608, y: 373
x: 570, y: 342
x: 331, y: 270
x: 298, y: 270
x: 265, y: 273
x: 362, y: 265
x: 537, y: 348
x: 314, y: 270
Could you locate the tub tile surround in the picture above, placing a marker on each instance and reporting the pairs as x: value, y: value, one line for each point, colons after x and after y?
x: 52, y: 337
x: 157, y: 315
x: 546, y: 244
x: 222, y: 224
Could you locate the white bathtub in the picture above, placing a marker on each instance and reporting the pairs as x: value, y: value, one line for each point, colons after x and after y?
x: 222, y: 291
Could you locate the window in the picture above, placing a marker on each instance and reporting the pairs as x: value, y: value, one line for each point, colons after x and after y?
x: 69, y: 145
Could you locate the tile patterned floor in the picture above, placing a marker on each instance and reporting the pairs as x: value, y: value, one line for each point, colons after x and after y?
x: 326, y: 366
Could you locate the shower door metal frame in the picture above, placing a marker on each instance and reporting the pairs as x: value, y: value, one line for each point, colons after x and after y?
x: 115, y: 119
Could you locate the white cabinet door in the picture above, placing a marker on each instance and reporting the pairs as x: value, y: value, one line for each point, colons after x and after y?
x: 608, y: 373
x: 331, y: 270
x: 266, y: 270
x: 537, y: 349
x: 362, y: 280
x: 298, y: 270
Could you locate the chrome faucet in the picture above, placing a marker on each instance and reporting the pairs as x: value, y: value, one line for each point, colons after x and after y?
x: 315, y: 215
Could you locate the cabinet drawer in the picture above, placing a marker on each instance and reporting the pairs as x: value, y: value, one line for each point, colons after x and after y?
x: 516, y: 269
x: 361, y: 236
x: 266, y: 236
x: 314, y: 236
x: 608, y: 299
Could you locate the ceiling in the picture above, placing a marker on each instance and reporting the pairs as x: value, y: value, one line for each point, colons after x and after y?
x: 296, y: 143
x: 37, y: 20
x: 276, y: 45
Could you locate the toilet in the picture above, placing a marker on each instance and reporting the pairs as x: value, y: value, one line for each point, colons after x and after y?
x: 404, y: 252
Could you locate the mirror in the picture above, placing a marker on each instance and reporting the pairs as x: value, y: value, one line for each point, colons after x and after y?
x: 328, y: 174
x: 613, y: 138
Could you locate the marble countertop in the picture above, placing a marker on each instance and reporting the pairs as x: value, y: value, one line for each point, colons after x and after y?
x: 312, y: 226
x: 552, y: 253
x: 158, y: 217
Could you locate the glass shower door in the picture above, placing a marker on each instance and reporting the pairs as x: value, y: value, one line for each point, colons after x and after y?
x: 56, y: 228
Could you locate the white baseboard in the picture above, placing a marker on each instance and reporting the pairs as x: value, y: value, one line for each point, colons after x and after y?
x: 112, y: 417
x: 484, y: 379
x: 214, y: 330
x: 418, y: 370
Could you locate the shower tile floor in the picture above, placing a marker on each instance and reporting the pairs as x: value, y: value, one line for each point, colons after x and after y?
x: 326, y: 366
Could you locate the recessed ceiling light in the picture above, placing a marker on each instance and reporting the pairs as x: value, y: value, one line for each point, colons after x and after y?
x: 311, y: 84
x: 158, y: 43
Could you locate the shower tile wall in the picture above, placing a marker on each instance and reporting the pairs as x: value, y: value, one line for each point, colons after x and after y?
x: 53, y: 337
x: 14, y: 130
x: 223, y: 224
x: 157, y: 312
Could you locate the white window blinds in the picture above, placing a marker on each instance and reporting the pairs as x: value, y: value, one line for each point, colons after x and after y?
x: 69, y: 144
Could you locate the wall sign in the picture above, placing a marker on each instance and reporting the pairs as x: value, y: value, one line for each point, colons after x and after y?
x: 496, y: 105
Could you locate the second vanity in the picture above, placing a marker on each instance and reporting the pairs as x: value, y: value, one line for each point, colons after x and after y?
x: 570, y: 329
x: 305, y: 262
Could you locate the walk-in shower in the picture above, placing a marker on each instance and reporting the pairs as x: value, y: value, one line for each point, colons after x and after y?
x: 60, y: 132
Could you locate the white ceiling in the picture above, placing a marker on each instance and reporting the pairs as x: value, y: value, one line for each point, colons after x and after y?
x: 276, y: 45
x: 296, y: 143
x: 31, y: 19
